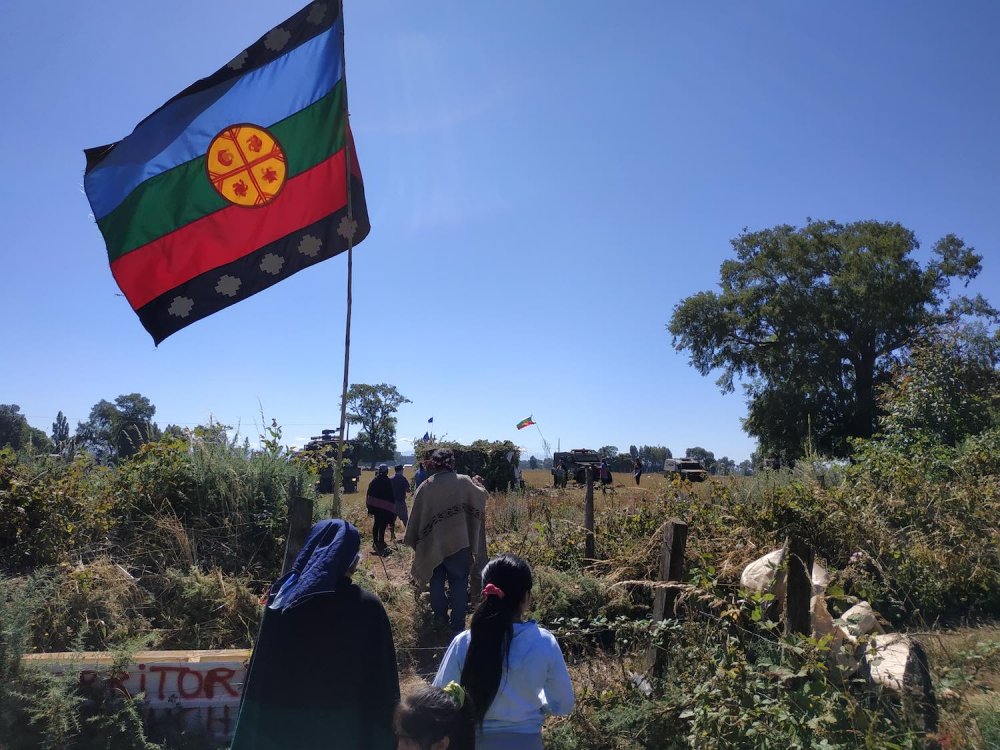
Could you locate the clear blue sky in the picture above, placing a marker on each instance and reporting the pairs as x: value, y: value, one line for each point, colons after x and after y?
x: 546, y: 180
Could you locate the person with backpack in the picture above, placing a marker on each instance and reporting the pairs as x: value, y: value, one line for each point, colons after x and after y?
x: 512, y: 670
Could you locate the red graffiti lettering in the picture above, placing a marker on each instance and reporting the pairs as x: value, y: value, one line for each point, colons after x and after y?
x: 163, y: 671
x: 220, y: 676
x: 188, y: 692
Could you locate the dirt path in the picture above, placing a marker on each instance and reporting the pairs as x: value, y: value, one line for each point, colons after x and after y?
x: 422, y: 647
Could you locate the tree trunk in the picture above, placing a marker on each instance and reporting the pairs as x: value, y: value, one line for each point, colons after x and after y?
x: 864, y: 398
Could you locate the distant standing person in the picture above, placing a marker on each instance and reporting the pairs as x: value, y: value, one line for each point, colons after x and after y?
x: 637, y: 471
x: 400, y: 486
x: 420, y: 474
x: 512, y: 670
x: 605, y: 474
x: 381, y: 503
x: 559, y: 474
x: 447, y: 531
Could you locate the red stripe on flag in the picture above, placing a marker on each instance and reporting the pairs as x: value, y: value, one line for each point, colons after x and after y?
x: 220, y: 238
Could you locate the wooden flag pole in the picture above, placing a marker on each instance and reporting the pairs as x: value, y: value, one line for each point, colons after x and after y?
x: 347, y: 228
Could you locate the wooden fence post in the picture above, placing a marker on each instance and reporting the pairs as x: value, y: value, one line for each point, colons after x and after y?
x: 671, y: 569
x: 798, y: 592
x: 300, y: 513
x: 919, y: 702
x: 588, y: 517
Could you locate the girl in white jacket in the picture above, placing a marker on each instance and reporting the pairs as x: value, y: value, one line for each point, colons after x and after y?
x: 513, y: 671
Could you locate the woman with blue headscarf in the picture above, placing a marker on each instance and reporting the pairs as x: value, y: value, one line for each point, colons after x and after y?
x: 323, y: 671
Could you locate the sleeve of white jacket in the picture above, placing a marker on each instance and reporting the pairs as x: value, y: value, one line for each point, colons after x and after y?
x: 451, y: 664
x: 558, y: 688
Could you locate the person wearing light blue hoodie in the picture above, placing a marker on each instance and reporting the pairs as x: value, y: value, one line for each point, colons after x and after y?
x: 512, y: 670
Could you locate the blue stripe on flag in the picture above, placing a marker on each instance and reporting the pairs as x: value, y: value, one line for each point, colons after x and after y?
x: 183, y: 130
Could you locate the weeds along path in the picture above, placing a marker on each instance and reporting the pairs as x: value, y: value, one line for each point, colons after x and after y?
x: 420, y: 645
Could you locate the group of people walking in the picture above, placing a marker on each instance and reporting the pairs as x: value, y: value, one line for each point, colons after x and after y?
x: 386, y: 501
x: 323, y: 671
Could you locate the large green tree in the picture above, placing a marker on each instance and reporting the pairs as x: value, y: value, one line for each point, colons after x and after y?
x: 115, y: 431
x: 374, y: 408
x: 812, y: 318
x: 653, y: 456
x: 12, y: 423
x: 16, y: 433
x: 60, y: 430
x: 707, y: 457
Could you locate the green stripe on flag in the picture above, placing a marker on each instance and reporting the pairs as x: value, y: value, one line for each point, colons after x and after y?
x: 184, y: 194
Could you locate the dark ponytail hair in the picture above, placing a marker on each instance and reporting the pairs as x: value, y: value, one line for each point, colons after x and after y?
x: 429, y: 714
x: 492, y: 629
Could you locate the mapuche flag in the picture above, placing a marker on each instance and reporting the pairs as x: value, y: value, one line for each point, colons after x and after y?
x: 237, y: 182
x: 525, y: 423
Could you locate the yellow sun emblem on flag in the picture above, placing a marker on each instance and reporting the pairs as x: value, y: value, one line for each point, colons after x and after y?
x: 246, y: 165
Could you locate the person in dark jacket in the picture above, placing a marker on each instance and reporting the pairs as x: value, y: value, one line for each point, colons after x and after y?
x: 381, y: 502
x: 637, y: 470
x: 323, y: 670
x: 400, y: 488
x: 420, y: 474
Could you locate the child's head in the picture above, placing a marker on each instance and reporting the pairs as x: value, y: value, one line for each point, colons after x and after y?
x: 432, y: 718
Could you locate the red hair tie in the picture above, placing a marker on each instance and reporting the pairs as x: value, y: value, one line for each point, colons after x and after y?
x: 491, y: 590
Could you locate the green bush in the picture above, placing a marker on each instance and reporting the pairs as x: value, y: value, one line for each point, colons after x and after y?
x: 213, y: 505
x: 41, y: 709
x: 50, y: 509
x: 931, y: 517
x: 205, y: 610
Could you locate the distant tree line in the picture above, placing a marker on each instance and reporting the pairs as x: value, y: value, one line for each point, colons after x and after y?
x: 113, y: 432
x: 653, y: 456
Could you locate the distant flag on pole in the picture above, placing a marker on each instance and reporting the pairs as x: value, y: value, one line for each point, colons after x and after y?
x: 431, y: 419
x: 237, y: 182
x: 525, y: 423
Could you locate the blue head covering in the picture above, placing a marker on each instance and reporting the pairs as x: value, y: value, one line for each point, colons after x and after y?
x: 328, y: 553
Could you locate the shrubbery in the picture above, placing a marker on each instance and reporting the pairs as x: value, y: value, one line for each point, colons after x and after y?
x: 174, y: 546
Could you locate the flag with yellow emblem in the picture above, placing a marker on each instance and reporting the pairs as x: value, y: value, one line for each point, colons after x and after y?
x: 239, y: 181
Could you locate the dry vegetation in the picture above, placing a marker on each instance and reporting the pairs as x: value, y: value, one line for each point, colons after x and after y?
x: 604, y: 628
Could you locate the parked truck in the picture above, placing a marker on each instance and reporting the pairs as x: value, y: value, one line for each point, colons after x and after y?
x: 688, y: 469
x: 327, y: 445
x: 577, y: 461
